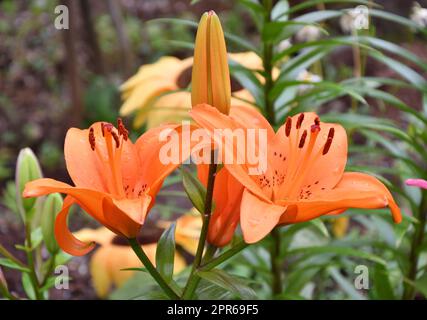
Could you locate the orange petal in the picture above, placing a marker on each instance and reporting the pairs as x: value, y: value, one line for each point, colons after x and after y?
x: 63, y: 235
x: 211, y: 119
x: 366, y: 182
x: 87, y: 169
x: 126, y: 215
x: 89, y: 200
x: 153, y: 171
x: 225, y: 218
x: 81, y: 161
x: 257, y: 217
x: 99, y: 205
x: 355, y: 190
x: 321, y: 171
x: 250, y: 117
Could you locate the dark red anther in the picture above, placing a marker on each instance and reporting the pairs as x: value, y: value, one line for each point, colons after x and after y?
x: 300, y: 120
x: 116, y: 138
x: 106, y: 126
x: 288, y: 126
x: 122, y: 129
x: 327, y: 146
x: 315, y: 128
x: 317, y: 121
x: 331, y: 133
x: 302, y: 140
x: 92, y: 139
x: 328, y: 141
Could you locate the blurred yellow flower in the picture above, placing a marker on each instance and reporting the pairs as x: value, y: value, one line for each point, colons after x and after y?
x: 340, y: 227
x: 113, y: 254
x: 157, y: 92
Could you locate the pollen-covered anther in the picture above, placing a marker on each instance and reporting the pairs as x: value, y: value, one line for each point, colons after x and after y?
x: 92, y: 139
x: 315, y: 128
x: 122, y: 129
x: 328, y: 141
x: 300, y: 120
x: 288, y: 126
x: 105, y: 126
x: 302, y: 140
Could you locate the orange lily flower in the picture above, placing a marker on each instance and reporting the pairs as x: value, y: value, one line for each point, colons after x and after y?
x: 305, y: 175
x: 116, y: 181
x: 227, y: 195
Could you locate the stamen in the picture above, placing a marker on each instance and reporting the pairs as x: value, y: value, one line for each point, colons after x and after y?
x: 300, y: 120
x: 328, y: 141
x: 92, y: 139
x: 122, y: 129
x: 116, y: 139
x: 288, y: 126
x: 302, y: 141
x: 315, y: 128
x: 317, y: 121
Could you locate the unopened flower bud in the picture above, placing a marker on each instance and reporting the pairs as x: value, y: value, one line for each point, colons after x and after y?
x: 210, y: 76
x: 27, y: 169
x: 51, y: 207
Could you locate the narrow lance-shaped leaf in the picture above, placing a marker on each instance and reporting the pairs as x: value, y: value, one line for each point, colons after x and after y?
x: 165, y: 253
x: 194, y: 189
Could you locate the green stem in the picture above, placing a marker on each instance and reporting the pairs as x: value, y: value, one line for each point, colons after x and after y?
x: 30, y: 260
x: 270, y: 112
x: 48, y: 271
x: 268, y: 67
x: 417, y: 241
x: 152, y: 270
x: 5, y: 253
x: 193, y: 279
x: 223, y: 257
x: 276, y: 286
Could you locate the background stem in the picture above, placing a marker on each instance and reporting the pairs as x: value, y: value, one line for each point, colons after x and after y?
x: 31, y: 265
x: 417, y: 240
x: 276, y: 287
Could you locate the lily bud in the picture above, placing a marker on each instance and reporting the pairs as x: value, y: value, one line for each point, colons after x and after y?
x: 51, y: 207
x: 210, y: 76
x: 27, y: 169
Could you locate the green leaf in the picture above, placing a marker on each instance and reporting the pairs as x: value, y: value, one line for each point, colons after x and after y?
x: 279, y: 11
x: 382, y: 286
x: 319, y: 225
x: 165, y: 253
x: 28, y: 287
x: 395, y: 18
x: 5, y: 262
x: 278, y: 30
x: 312, y: 3
x: 134, y: 269
x: 194, y: 189
x: 339, y: 251
x: 421, y: 284
x: 226, y: 281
